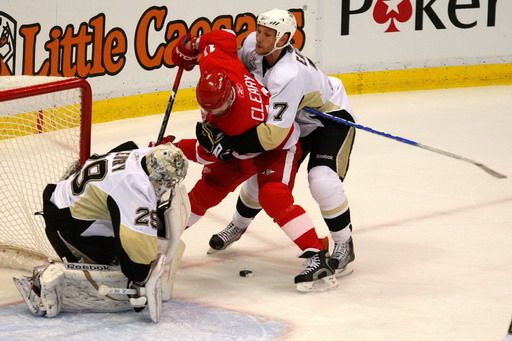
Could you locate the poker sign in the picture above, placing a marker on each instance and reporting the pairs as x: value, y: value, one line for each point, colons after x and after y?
x: 461, y: 14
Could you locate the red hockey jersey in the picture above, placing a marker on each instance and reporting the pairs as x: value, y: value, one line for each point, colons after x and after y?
x: 219, y: 52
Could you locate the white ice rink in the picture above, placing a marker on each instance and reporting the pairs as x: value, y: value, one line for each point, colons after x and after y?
x: 432, y: 234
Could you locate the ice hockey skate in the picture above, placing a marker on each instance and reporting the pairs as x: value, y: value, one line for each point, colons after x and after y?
x: 342, y: 258
x: 225, y: 238
x: 318, y: 275
x: 29, y: 292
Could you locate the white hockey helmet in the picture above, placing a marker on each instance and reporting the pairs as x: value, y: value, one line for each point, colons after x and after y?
x: 166, y: 166
x: 280, y: 20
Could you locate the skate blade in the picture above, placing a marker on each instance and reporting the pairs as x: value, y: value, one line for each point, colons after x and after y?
x: 324, y: 284
x: 24, y: 287
x: 347, y: 270
x: 212, y: 251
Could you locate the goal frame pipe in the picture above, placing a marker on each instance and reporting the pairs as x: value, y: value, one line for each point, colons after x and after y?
x: 54, y: 86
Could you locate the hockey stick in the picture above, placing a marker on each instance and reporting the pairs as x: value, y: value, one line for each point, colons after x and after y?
x: 134, y: 301
x: 105, y: 290
x: 169, y: 106
x: 401, y: 139
x: 508, y: 337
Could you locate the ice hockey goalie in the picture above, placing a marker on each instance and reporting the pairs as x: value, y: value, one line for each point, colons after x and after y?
x: 118, y: 238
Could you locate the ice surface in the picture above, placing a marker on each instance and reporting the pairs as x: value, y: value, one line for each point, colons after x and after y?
x: 432, y: 235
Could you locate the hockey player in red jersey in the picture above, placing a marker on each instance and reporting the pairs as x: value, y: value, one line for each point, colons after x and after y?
x: 294, y: 82
x: 231, y: 103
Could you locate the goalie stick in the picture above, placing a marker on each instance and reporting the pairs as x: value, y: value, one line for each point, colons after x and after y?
x: 105, y: 290
x: 169, y: 106
x: 335, y: 118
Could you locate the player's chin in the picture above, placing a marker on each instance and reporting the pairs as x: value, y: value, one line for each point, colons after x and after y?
x: 261, y: 51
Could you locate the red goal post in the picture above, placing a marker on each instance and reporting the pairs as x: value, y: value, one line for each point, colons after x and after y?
x: 45, y: 131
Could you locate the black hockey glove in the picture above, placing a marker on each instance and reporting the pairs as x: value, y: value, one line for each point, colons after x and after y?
x: 214, y: 141
x: 160, y: 214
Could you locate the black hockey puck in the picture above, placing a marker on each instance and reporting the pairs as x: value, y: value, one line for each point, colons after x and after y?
x: 246, y: 273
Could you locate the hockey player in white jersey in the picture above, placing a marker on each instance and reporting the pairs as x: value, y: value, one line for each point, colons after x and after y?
x: 110, y: 227
x: 294, y: 82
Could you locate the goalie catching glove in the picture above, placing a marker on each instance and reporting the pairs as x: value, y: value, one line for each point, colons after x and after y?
x: 214, y: 141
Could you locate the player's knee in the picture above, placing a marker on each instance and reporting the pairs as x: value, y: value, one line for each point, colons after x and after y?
x: 325, y: 185
x: 204, y: 196
x: 250, y: 193
x: 275, y: 198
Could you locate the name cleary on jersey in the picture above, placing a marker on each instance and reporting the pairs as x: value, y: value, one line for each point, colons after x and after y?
x: 254, y: 95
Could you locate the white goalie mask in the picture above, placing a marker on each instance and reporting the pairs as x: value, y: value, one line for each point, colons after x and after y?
x: 166, y: 166
x: 280, y: 20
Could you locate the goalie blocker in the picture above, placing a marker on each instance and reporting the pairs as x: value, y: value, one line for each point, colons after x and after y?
x: 75, y: 287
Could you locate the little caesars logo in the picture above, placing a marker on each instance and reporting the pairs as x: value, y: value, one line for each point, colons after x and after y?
x: 91, y: 48
x: 462, y: 14
x: 7, y: 44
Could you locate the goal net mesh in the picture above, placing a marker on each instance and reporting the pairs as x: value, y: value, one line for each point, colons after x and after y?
x: 40, y: 142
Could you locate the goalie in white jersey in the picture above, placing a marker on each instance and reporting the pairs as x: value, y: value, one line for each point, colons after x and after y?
x: 294, y: 82
x: 108, y: 213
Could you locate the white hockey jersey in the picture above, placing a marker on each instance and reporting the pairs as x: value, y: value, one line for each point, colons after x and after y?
x: 117, y: 176
x: 294, y: 82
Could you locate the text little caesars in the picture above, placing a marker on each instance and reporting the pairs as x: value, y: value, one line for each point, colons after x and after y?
x: 91, y: 49
x: 423, y: 12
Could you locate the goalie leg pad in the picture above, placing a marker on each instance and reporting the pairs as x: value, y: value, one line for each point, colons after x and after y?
x: 82, y: 282
x: 169, y: 273
x: 153, y: 288
x: 176, y: 218
x: 73, y: 287
x: 42, y: 291
x: 51, y: 289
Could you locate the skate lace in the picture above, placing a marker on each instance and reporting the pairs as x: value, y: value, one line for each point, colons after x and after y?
x: 311, y: 264
x: 340, y: 250
x: 230, y: 232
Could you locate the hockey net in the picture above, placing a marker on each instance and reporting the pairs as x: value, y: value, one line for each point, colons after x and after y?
x: 45, y: 128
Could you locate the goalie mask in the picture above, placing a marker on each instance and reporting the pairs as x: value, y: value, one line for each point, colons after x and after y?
x: 280, y: 20
x: 166, y: 166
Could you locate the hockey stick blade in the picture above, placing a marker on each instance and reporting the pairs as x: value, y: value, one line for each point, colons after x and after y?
x: 335, y: 118
x: 170, y: 104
